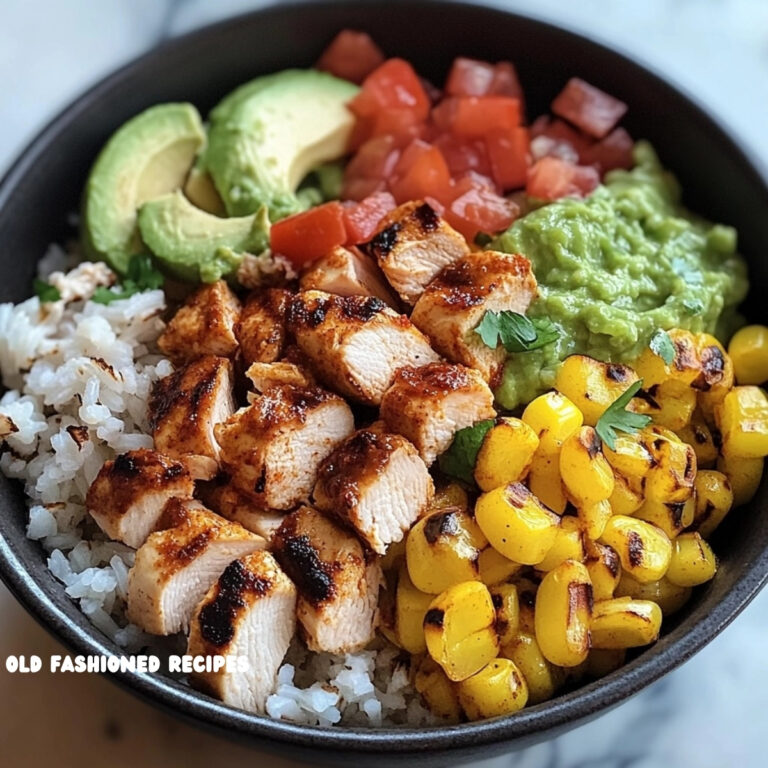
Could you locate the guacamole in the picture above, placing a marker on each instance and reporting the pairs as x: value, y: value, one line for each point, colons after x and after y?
x: 617, y: 266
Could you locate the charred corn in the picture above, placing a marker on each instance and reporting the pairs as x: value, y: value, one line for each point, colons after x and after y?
x: 436, y: 691
x: 626, y: 499
x: 671, y: 477
x: 568, y: 544
x: 411, y: 606
x: 643, y: 549
x: 604, y: 569
x: 699, y: 436
x: 693, y: 561
x: 507, y: 605
x: 498, y: 689
x: 545, y: 483
x: 668, y: 596
x: 630, y: 457
x: 505, y: 454
x: 672, y: 517
x: 593, y: 519
x: 624, y: 622
x: 742, y: 418
x: 450, y: 495
x: 684, y: 368
x: 744, y: 476
x: 748, y: 351
x: 714, y: 499
x: 587, y: 476
x: 542, y: 678
x: 553, y: 417
x: 494, y: 567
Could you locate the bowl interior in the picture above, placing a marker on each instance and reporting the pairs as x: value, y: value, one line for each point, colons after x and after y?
x: 41, y: 191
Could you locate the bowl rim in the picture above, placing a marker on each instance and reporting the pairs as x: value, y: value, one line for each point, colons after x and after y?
x: 576, y: 706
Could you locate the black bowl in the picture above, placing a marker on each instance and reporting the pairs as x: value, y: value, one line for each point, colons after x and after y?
x: 44, y: 186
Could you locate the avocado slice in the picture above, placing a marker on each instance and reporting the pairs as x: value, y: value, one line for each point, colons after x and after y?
x: 148, y: 156
x: 194, y: 245
x: 268, y: 134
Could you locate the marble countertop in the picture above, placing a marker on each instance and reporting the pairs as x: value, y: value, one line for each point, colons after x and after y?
x: 708, y: 714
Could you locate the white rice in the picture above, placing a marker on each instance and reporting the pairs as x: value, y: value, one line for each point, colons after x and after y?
x: 78, y: 375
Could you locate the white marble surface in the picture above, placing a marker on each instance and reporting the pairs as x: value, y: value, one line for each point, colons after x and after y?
x: 709, y: 714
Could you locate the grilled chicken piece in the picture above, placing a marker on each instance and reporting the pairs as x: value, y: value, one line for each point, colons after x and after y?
x: 267, y: 375
x: 273, y: 447
x: 376, y: 483
x: 250, y: 613
x: 454, y: 303
x: 261, y: 330
x: 355, y: 344
x: 338, y: 581
x: 348, y: 272
x: 176, y: 566
x: 227, y: 501
x: 205, y: 325
x: 412, y: 245
x: 185, y: 407
x: 429, y: 405
x: 127, y: 497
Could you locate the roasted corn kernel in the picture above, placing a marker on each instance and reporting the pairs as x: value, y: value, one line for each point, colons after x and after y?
x: 587, y: 476
x: 670, y: 404
x: 744, y: 476
x: 714, y: 499
x: 545, y: 483
x: 563, y: 611
x: 411, y: 606
x: 553, y: 417
x: 459, y: 628
x: 498, y: 689
x: 593, y: 519
x: 748, y: 351
x: 442, y: 549
x: 626, y: 499
x: 684, y: 369
x: 742, y: 418
x: 568, y: 544
x: 450, y: 495
x: 505, y: 454
x: 516, y: 523
x: 624, y: 622
x: 592, y: 385
x: 542, y: 678
x: 526, y: 597
x: 671, y: 477
x: 604, y: 568
x: 693, y: 561
x: 716, y: 376
x: 668, y: 596
x: 630, y: 456
x: 643, y: 549
x: 672, y: 517
x: 494, y: 567
x: 507, y: 605
x: 699, y: 436
x: 436, y: 691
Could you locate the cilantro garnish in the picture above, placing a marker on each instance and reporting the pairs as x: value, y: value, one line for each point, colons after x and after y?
x: 662, y: 346
x: 618, y: 418
x: 516, y: 332
x: 45, y: 291
x: 141, y: 276
x: 459, y: 460
x: 693, y: 306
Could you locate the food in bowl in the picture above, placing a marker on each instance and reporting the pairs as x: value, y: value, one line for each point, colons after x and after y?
x: 417, y: 407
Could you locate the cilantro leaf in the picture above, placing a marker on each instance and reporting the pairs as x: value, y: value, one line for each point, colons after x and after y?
x: 662, y: 346
x: 459, y: 460
x: 617, y: 418
x: 516, y: 332
x: 45, y: 291
x: 693, y: 306
x: 141, y: 276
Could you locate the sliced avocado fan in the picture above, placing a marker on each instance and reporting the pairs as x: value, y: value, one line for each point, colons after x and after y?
x: 147, y: 157
x: 268, y: 134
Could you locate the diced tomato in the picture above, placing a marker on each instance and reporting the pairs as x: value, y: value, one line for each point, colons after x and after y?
x: 562, y: 134
x: 361, y: 219
x: 403, y: 124
x: 463, y: 155
x: 588, y: 108
x: 469, y: 77
x: 359, y: 189
x: 614, y: 151
x: 508, y: 155
x: 476, y: 208
x: 309, y: 235
x: 551, y: 179
x: 420, y: 172
x: 393, y: 85
x: 476, y: 116
x: 505, y: 81
x: 351, y: 55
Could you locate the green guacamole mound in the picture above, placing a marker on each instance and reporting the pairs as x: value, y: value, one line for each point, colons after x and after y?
x: 617, y: 266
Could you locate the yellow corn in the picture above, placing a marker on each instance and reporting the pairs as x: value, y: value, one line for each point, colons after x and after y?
x: 670, y: 404
x: 587, y: 476
x: 671, y: 517
x: 626, y: 499
x: 506, y: 453
x: 668, y: 596
x: 671, y: 477
x: 411, y: 606
x: 604, y: 569
x: 594, y: 518
x: 562, y: 616
x: 602, y: 661
x: 742, y: 418
x: 542, y: 678
x: 693, y: 561
x: 436, y: 691
x: 643, y: 549
x: 442, y: 549
x: 592, y: 385
x: 553, y: 417
x: 450, y: 495
x: 459, y: 629
x: 498, y: 689
x: 526, y: 597
x: 516, y: 523
x: 714, y: 499
x: 716, y: 376
x: 699, y: 436
x: 685, y: 368
x: 748, y: 351
x: 624, y: 622
x: 568, y: 544
x: 507, y: 605
x: 744, y: 475
x: 494, y: 567
x: 545, y: 483
x: 630, y: 457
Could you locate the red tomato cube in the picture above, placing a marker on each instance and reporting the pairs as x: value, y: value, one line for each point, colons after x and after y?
x: 361, y: 219
x: 469, y: 77
x: 393, y: 85
x: 377, y: 158
x: 351, y: 55
x: 476, y: 116
x: 614, y: 151
x: 551, y: 179
x: 505, y: 81
x: 420, y: 172
x: 463, y: 155
x: 476, y: 208
x: 588, y: 108
x: 307, y: 236
x: 508, y: 152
